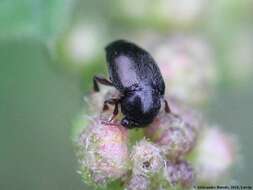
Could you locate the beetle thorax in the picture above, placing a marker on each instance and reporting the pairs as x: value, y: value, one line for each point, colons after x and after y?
x: 141, y: 106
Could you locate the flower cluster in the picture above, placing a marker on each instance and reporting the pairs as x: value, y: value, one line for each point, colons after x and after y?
x: 177, y: 150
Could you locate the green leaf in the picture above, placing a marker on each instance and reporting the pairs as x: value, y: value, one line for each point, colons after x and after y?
x: 37, y: 18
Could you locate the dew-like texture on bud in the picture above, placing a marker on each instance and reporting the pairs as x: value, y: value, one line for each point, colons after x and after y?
x: 179, y: 173
x: 188, y: 68
x: 138, y: 182
x: 102, y: 152
x: 215, y: 155
x: 146, y: 158
x: 172, y: 134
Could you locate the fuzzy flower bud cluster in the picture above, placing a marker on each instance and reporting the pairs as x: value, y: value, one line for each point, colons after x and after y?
x: 102, y: 152
x: 215, y: 155
x: 180, y: 172
x: 147, y: 159
x: 188, y: 68
x: 138, y: 182
x: 174, y: 136
x: 176, y: 151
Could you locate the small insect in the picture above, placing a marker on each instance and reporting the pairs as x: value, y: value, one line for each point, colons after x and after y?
x: 135, y: 74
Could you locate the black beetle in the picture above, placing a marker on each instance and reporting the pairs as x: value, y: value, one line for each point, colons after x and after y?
x: 135, y: 74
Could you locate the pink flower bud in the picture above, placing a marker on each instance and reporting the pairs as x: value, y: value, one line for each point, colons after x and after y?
x: 188, y: 68
x: 102, y: 152
x: 215, y: 154
x: 188, y: 114
x: 179, y: 173
x: 146, y: 158
x: 172, y: 134
x: 138, y: 182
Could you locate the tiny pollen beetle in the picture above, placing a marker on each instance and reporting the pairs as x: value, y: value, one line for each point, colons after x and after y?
x: 135, y: 74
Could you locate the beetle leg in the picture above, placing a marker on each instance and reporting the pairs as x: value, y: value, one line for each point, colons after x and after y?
x: 101, y: 80
x: 115, y: 111
x: 166, y: 108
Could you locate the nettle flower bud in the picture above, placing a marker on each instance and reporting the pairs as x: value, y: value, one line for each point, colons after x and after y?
x: 179, y: 173
x: 215, y: 155
x: 138, y: 182
x: 188, y: 114
x: 174, y: 136
x: 187, y: 65
x: 102, y: 152
x: 146, y: 158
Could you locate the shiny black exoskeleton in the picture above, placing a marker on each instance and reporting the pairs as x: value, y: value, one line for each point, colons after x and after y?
x: 135, y: 74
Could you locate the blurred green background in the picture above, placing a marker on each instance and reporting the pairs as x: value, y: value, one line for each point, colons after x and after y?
x: 50, y: 49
